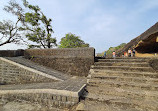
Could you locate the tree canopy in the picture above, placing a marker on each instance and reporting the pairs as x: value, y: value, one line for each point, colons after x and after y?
x: 40, y: 30
x: 36, y: 27
x: 10, y: 32
x: 72, y: 41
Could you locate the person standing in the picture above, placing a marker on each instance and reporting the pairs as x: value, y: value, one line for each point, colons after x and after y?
x: 133, y: 51
x: 113, y: 54
x: 129, y: 52
x: 125, y: 54
x: 105, y: 54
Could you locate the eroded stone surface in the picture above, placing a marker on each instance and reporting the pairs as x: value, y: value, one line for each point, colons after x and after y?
x: 122, y: 85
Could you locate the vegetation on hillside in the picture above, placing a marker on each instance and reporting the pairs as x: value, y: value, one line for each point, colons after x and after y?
x: 111, y: 49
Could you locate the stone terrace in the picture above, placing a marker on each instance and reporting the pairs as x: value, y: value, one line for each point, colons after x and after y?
x: 54, y: 90
x: 61, y: 94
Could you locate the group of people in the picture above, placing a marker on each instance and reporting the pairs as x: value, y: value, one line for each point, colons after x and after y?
x: 129, y: 53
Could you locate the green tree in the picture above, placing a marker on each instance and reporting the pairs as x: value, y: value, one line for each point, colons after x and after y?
x: 35, y: 25
x: 10, y: 32
x: 39, y: 27
x: 72, y: 41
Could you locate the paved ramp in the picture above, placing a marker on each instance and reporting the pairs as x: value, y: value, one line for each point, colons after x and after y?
x: 35, y: 66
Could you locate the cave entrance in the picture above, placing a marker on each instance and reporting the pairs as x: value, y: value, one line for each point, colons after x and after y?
x: 149, y: 45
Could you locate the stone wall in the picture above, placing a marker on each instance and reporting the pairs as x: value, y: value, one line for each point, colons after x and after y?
x: 13, y: 73
x: 74, y: 61
x: 154, y: 63
x: 41, y: 97
x: 11, y: 53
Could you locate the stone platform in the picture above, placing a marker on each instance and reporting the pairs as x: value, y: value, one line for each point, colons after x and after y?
x: 28, y: 81
x: 59, y: 94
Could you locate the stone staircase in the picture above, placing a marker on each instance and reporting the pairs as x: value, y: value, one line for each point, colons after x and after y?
x: 122, y: 84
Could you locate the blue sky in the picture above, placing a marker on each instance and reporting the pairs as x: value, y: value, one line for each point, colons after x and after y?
x: 101, y: 23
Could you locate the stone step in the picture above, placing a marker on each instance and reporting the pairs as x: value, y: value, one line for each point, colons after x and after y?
x: 127, y: 82
x: 125, y: 79
x: 102, y: 106
x: 99, y: 97
x: 124, y: 68
x: 144, y: 104
x: 127, y: 58
x: 124, y: 85
x: 119, y: 92
x: 143, y: 64
x: 99, y: 73
x: 123, y: 60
